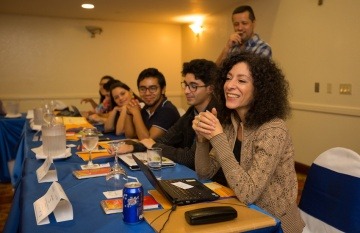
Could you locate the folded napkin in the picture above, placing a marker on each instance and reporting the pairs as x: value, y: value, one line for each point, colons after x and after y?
x: 30, y: 114
x: 35, y: 127
x: 39, y: 153
x: 9, y: 115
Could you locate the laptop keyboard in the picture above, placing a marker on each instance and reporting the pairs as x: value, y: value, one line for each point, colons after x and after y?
x: 182, y: 194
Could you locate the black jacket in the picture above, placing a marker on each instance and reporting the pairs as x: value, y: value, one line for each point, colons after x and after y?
x: 178, y: 143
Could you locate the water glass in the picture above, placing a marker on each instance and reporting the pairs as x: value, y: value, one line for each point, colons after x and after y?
x: 154, y: 161
x: 89, y: 140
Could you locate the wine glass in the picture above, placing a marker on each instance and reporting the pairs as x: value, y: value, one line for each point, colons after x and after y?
x: 48, y: 114
x: 115, y: 181
x: 115, y: 148
x: 89, y: 140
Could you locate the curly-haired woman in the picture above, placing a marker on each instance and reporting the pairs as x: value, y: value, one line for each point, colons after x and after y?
x: 252, y: 144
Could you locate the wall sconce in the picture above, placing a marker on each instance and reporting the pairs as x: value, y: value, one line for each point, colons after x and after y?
x: 197, y: 28
x: 94, y: 30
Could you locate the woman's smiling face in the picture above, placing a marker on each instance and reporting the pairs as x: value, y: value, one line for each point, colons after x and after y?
x: 121, y: 96
x: 239, y: 88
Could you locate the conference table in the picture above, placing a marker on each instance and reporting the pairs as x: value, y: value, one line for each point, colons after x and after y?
x: 10, y: 135
x: 85, y: 195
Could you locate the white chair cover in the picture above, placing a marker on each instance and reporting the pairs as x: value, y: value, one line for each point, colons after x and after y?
x: 330, y: 201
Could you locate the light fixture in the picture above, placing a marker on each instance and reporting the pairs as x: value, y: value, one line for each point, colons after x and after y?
x: 94, y: 30
x: 197, y: 28
x: 87, y: 6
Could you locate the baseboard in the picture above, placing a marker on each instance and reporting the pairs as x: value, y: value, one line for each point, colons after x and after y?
x: 301, y: 168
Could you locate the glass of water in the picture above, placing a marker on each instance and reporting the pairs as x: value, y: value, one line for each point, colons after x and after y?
x: 154, y: 161
x: 89, y: 140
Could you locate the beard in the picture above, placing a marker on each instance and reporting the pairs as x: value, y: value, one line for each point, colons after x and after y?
x: 155, y: 102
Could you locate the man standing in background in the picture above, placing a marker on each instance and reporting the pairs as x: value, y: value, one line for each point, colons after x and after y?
x: 244, y: 38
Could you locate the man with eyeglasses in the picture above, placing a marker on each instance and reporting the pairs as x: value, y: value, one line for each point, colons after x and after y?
x: 158, y: 114
x: 178, y: 143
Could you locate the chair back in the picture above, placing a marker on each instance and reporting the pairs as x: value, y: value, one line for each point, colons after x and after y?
x: 330, y: 201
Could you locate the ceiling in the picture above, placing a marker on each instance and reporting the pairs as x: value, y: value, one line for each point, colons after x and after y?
x: 151, y: 11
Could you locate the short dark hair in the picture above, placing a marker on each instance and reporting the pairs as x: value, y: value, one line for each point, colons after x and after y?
x: 152, y: 72
x: 271, y: 90
x: 202, y: 69
x: 245, y: 8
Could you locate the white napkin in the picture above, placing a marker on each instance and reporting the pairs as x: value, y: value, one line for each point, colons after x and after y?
x: 35, y: 127
x: 30, y: 114
x: 13, y: 115
x: 39, y: 153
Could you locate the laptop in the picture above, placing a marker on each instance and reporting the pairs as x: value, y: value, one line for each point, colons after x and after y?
x: 175, y: 194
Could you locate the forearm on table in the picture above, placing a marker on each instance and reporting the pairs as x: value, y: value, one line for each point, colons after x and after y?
x: 184, y: 156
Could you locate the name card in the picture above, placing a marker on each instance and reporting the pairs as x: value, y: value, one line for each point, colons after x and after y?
x: 44, y: 173
x: 54, y: 200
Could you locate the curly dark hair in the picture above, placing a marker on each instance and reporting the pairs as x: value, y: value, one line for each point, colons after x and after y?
x: 202, y: 69
x: 271, y: 90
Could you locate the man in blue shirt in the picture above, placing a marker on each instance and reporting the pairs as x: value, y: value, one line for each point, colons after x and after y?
x: 158, y: 114
x: 244, y: 38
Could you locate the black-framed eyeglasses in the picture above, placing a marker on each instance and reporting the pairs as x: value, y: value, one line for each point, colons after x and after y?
x: 152, y: 89
x: 192, y: 86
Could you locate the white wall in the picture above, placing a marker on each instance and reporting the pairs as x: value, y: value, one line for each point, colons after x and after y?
x: 53, y: 58
x: 311, y: 44
x: 56, y: 58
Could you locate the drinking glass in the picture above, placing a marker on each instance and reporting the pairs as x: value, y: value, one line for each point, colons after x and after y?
x: 48, y: 113
x: 154, y: 161
x: 115, y: 147
x: 90, y: 139
x: 115, y: 181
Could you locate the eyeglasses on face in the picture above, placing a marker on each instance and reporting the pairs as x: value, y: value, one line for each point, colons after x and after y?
x: 152, y: 89
x: 192, y: 86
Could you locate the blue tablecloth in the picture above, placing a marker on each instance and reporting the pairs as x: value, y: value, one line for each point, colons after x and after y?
x: 10, y: 135
x: 85, y: 196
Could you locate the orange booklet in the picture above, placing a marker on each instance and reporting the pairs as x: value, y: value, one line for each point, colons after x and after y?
x: 111, y: 206
x: 222, y: 190
x: 88, y: 173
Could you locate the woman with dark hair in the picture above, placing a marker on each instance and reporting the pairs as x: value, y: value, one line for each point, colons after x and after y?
x: 120, y: 96
x: 252, y: 146
x: 104, y: 104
